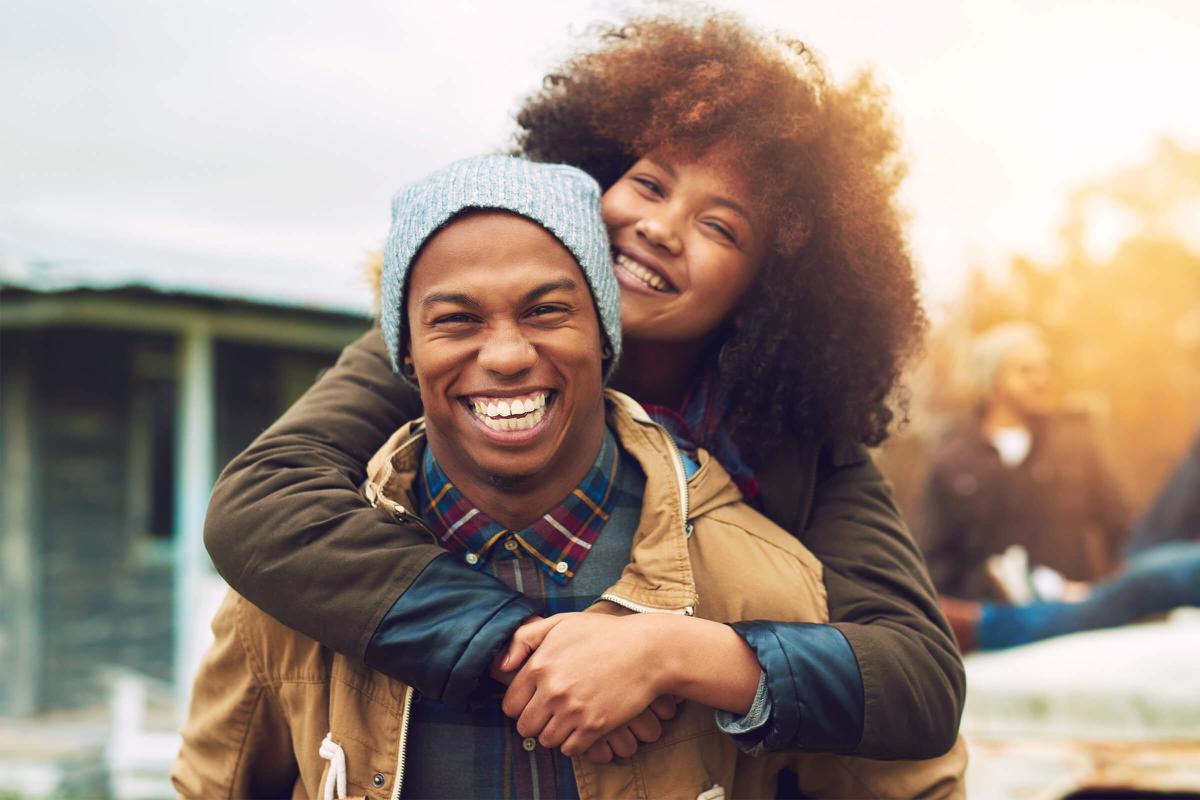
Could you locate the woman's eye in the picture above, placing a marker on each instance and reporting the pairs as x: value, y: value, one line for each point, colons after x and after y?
x: 649, y: 185
x: 723, y: 231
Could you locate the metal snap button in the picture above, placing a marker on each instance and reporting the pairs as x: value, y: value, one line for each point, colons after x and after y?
x: 472, y: 559
x: 510, y: 545
x: 561, y: 567
x: 378, y: 780
x: 530, y: 744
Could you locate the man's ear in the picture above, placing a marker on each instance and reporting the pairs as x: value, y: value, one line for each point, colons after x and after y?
x: 406, y: 366
x: 606, y: 353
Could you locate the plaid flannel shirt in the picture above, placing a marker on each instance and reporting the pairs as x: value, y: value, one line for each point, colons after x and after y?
x: 479, y: 753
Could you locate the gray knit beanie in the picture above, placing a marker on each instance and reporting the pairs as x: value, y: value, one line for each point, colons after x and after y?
x: 562, y: 199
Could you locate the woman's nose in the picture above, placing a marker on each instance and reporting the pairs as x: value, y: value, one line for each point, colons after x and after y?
x: 660, y: 232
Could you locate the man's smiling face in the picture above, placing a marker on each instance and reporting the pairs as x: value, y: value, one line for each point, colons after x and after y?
x: 506, y: 345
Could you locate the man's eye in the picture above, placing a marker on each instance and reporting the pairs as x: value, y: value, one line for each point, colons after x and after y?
x: 452, y: 319
x: 546, y: 309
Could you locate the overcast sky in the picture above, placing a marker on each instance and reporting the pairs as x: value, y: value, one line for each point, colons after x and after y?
x: 279, y: 130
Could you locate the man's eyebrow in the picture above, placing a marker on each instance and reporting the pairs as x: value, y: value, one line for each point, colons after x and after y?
x: 547, y: 287
x: 455, y: 298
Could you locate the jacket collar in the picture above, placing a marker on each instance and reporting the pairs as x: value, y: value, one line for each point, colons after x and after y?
x: 658, y: 576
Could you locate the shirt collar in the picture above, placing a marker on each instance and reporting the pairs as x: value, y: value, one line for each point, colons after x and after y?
x: 698, y: 422
x: 559, y: 540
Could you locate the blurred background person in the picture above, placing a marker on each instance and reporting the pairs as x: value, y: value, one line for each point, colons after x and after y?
x: 1021, y: 473
x: 1163, y: 568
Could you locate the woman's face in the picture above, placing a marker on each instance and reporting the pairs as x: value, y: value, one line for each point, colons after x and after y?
x: 686, y: 245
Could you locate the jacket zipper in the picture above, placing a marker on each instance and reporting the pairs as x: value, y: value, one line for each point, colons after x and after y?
x: 681, y: 477
x: 408, y: 698
x: 639, y: 414
x: 686, y: 611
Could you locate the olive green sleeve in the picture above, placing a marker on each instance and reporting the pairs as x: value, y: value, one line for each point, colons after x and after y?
x: 880, y: 597
x: 287, y: 527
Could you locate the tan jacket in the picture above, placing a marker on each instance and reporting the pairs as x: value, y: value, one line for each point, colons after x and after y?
x: 266, y: 696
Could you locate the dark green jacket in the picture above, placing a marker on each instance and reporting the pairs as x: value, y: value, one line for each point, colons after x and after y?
x: 289, y: 530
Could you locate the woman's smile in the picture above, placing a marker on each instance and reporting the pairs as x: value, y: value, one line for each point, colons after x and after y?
x: 685, y: 246
x: 639, y: 276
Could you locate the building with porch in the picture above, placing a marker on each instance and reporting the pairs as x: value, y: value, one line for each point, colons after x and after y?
x: 128, y: 378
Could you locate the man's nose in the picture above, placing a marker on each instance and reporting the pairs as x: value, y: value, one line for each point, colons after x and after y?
x: 661, y: 231
x: 507, y: 351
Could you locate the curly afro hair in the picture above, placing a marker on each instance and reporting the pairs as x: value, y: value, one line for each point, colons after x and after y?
x: 817, y: 345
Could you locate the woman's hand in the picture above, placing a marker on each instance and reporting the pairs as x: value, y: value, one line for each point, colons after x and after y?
x: 621, y: 742
x: 584, y: 676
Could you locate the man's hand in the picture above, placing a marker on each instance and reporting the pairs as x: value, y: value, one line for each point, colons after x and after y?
x: 522, y: 644
x: 644, y: 728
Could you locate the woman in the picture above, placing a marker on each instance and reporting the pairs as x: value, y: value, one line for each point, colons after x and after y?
x: 768, y: 305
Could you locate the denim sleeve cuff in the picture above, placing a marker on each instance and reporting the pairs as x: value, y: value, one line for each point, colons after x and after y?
x: 813, y: 683
x: 749, y: 729
x: 441, y: 634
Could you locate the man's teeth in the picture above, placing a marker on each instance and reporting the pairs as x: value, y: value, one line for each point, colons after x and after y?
x: 512, y: 414
x: 646, y: 276
x: 523, y: 423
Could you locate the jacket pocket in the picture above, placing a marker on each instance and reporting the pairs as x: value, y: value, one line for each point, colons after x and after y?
x: 692, y: 758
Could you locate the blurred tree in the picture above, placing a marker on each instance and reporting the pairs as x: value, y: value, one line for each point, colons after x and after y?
x: 1124, y: 324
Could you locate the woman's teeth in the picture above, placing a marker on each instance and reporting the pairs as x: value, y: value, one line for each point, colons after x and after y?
x: 511, y: 413
x: 646, y: 276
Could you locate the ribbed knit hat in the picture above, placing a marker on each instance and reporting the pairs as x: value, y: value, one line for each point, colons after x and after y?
x: 562, y: 199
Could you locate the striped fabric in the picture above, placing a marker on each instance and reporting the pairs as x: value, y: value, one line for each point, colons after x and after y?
x: 559, y: 541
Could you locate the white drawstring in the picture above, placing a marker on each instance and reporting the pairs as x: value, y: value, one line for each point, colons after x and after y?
x: 717, y: 792
x: 337, y: 768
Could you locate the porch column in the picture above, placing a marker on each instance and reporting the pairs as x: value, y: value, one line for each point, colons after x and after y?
x: 195, y: 471
x: 20, y: 557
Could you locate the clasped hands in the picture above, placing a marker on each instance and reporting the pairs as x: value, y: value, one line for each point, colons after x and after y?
x: 588, y: 684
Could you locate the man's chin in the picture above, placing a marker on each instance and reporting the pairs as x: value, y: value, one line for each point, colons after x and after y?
x: 511, y: 481
x: 506, y: 469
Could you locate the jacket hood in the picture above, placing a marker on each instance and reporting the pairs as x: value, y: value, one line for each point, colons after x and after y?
x: 710, y: 487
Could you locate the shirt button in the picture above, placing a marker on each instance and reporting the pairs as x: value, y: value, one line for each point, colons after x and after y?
x: 529, y: 744
x: 510, y: 545
x: 561, y: 567
x: 472, y: 559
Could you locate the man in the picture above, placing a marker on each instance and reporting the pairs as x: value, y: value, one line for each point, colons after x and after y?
x: 1019, y: 474
x: 1071, y: 505
x: 503, y: 310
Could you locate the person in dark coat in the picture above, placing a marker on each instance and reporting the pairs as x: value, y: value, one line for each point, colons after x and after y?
x: 1021, y: 473
x: 1023, y: 498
